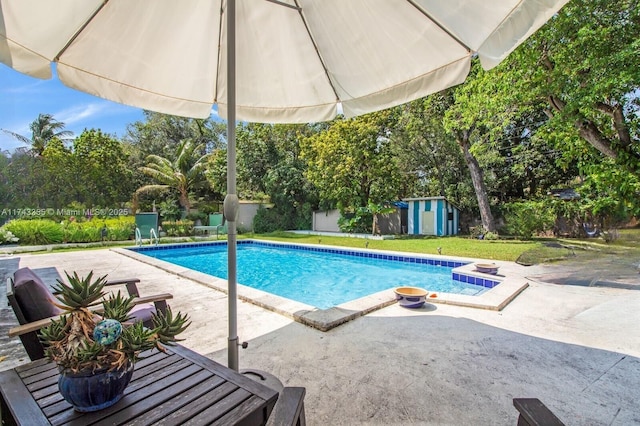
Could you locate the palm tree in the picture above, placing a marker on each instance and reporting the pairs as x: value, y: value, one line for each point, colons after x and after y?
x: 376, y: 210
x: 183, y: 174
x: 43, y: 129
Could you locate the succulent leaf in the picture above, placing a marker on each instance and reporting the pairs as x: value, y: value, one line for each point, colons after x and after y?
x: 70, y: 342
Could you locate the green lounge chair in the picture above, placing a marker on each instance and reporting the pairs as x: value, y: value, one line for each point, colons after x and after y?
x: 216, y: 223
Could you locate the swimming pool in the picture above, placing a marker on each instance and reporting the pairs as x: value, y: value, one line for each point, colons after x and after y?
x: 319, y: 276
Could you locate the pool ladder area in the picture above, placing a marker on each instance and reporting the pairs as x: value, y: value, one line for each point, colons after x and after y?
x: 152, y: 235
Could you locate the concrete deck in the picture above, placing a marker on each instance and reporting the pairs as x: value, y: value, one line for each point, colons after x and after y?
x: 577, y: 348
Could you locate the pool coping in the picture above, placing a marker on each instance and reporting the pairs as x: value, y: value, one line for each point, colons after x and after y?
x: 511, y: 278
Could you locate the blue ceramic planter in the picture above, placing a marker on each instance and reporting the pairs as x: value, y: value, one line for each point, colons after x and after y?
x: 92, y: 391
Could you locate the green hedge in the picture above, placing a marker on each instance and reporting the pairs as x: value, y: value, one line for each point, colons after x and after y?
x: 45, y: 231
x: 180, y: 228
x: 36, y: 231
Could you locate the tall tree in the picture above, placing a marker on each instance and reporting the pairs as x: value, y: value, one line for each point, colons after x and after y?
x: 5, y: 189
x: 160, y: 134
x: 258, y: 152
x: 27, y: 179
x: 431, y: 160
x: 184, y: 174
x: 43, y: 129
x: 102, y: 164
x: 352, y: 162
x: 466, y: 120
x: 583, y: 67
x: 294, y: 197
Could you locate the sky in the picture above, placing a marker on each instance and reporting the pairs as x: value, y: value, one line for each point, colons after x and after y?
x: 23, y: 98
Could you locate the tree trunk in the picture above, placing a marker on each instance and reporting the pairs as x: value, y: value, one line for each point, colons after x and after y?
x: 184, y: 201
x: 591, y: 133
x: 488, y: 222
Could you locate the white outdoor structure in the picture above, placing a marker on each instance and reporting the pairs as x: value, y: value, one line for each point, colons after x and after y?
x: 432, y: 216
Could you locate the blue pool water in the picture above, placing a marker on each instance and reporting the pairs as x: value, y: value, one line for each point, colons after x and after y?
x: 319, y: 277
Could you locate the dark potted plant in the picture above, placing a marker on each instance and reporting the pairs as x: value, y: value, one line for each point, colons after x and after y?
x: 96, y: 352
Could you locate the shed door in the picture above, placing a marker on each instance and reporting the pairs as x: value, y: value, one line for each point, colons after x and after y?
x: 428, y: 224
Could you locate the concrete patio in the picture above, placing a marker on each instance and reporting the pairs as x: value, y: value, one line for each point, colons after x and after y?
x: 576, y: 348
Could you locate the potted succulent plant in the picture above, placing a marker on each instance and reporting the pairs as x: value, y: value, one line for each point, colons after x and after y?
x: 96, y: 349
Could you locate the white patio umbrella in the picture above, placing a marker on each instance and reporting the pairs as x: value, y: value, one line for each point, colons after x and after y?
x: 292, y: 61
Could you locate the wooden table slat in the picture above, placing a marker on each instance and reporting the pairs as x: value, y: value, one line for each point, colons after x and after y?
x: 144, y: 378
x: 37, y: 381
x: 217, y: 411
x: 252, y: 412
x: 131, y: 396
x: 41, y: 365
x: 185, y: 413
x: 174, y: 404
x: 151, y: 358
x: 44, y: 383
x: 46, y: 391
x: 252, y: 386
x: 24, y: 369
x: 156, y: 399
x: 60, y: 411
x: 47, y: 396
x: 17, y: 400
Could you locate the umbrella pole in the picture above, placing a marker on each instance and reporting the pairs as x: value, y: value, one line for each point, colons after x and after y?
x: 231, y: 199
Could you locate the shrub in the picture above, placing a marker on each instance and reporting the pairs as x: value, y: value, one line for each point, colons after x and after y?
x: 527, y: 218
x: 120, y: 228
x: 180, y: 228
x: 491, y: 236
x: 7, y: 237
x: 304, y: 217
x: 476, y: 232
x: 36, y: 231
x: 358, y: 222
x: 170, y: 210
x: 75, y: 232
x: 46, y: 231
x: 268, y: 220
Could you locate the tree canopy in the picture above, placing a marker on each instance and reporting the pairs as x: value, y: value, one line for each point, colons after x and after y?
x: 561, y: 111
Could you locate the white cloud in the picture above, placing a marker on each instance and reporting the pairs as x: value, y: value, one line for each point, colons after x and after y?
x: 81, y: 113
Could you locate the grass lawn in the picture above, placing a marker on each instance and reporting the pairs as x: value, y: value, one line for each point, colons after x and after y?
x: 538, y: 250
x: 449, y: 246
x: 526, y: 252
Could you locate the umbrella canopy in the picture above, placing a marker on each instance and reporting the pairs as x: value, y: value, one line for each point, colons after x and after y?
x: 294, y: 61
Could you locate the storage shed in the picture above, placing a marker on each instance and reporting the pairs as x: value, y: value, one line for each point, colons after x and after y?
x: 432, y: 216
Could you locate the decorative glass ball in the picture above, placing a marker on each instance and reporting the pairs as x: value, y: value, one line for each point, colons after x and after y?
x: 107, y: 331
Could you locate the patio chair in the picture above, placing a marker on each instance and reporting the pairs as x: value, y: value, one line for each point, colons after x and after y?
x: 218, y: 220
x: 289, y: 409
x: 534, y: 413
x: 216, y: 223
x: 30, y: 298
x: 147, y: 223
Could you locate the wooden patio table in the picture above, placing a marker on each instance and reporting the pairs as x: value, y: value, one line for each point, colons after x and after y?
x: 177, y: 387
